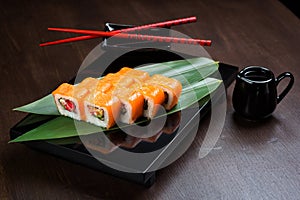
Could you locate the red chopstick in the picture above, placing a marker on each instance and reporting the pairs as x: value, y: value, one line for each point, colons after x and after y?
x: 72, y: 39
x: 159, y: 24
x: 134, y: 36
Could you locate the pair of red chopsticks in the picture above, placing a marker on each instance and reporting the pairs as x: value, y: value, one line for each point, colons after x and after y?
x: 123, y: 33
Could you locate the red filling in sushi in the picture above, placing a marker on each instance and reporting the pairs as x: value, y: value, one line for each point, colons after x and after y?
x: 67, y: 104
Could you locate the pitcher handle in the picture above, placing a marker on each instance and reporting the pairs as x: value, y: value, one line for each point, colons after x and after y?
x: 289, y: 86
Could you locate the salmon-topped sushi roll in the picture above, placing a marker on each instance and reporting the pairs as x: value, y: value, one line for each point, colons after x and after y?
x: 66, y: 104
x: 123, y: 71
x: 153, y: 98
x: 137, y: 73
x: 82, y: 90
x: 128, y: 77
x: 133, y: 74
x: 86, y: 86
x: 103, y: 86
x: 102, y: 109
x: 111, y: 78
x: 172, y: 89
x: 125, y: 82
x: 132, y: 102
x: 118, y: 79
x: 69, y: 98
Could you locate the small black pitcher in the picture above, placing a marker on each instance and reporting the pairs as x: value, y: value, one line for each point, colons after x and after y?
x: 255, y: 93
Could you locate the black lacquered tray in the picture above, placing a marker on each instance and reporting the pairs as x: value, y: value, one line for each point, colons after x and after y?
x: 73, y: 150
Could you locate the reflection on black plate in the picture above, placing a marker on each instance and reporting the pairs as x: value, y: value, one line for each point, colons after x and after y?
x: 126, y: 141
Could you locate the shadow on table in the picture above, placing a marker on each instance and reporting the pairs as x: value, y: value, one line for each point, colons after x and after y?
x: 251, y: 124
x: 255, y: 134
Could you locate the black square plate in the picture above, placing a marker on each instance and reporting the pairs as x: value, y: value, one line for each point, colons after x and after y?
x: 75, y: 152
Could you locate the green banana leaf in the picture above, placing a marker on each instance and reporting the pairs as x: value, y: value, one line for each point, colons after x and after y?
x: 186, y: 71
x: 64, y: 127
x: 43, y: 106
x: 192, y: 73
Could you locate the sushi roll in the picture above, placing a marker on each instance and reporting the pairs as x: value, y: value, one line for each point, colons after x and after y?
x: 125, y: 82
x: 123, y: 71
x: 103, y: 86
x: 82, y: 90
x: 153, y: 98
x: 127, y: 90
x: 138, y: 75
x: 69, y: 98
x: 66, y: 104
x: 86, y: 86
x: 130, y: 76
x: 172, y: 89
x: 132, y: 102
x: 112, y: 78
x: 102, y: 109
x: 124, y: 96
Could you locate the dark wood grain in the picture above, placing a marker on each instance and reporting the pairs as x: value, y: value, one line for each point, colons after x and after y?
x: 250, y: 161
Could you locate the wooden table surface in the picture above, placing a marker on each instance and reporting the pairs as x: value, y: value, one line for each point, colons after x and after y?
x: 250, y: 161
